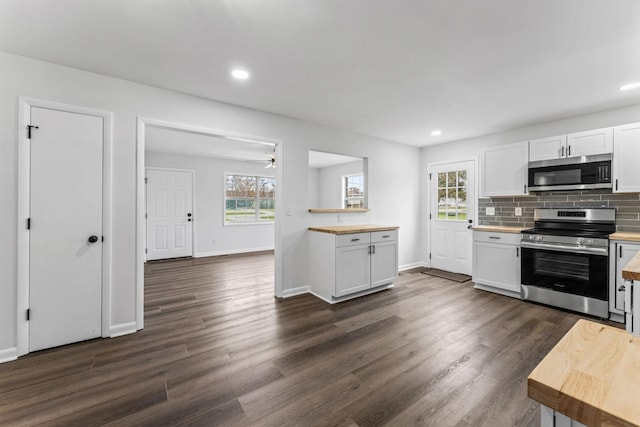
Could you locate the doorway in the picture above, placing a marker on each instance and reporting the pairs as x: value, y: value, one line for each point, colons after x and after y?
x: 147, y: 127
x: 451, y: 214
x: 64, y: 213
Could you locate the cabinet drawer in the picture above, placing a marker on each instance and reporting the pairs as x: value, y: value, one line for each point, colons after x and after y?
x: 352, y: 239
x: 493, y: 237
x: 383, y: 236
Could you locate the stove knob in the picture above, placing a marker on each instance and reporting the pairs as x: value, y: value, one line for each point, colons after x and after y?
x: 531, y: 236
x: 580, y: 241
x: 539, y: 237
x: 590, y: 242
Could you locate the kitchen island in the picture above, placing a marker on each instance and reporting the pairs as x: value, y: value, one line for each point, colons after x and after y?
x: 591, y: 377
x: 349, y: 261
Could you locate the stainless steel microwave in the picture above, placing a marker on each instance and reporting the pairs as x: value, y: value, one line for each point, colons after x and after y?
x: 576, y: 173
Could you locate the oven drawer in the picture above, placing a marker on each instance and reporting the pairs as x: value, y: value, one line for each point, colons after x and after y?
x: 493, y: 237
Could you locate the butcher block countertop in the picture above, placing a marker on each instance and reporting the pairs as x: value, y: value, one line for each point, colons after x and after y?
x: 498, y: 229
x: 348, y: 229
x: 631, y: 271
x: 628, y: 236
x: 592, y: 375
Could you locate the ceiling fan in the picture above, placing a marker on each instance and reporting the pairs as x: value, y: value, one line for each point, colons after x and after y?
x: 272, y: 161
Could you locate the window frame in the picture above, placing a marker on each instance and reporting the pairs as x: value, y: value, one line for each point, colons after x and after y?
x: 255, y: 198
x: 345, y: 196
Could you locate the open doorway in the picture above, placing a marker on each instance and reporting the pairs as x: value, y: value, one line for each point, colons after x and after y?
x: 236, y: 201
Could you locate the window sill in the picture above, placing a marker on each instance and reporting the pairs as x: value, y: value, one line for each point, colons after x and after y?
x: 338, y: 210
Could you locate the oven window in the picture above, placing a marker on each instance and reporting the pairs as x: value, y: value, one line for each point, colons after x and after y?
x: 561, y: 265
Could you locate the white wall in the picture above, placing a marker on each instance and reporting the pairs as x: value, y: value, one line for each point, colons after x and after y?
x: 394, y: 172
x: 472, y: 147
x: 208, y: 217
x: 329, y: 190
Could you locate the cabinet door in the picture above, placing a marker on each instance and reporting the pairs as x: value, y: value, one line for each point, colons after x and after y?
x: 597, y: 141
x: 497, y: 265
x: 624, y: 253
x: 353, y: 269
x: 384, y: 263
x: 504, y: 170
x: 626, y: 158
x: 553, y: 147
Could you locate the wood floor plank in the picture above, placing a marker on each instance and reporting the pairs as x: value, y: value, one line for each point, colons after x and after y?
x: 219, y: 349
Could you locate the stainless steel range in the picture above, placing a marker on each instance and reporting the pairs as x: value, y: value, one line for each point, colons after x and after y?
x: 565, y: 259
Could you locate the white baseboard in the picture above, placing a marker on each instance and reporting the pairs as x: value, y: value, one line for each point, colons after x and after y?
x: 406, y: 267
x: 123, y: 329
x: 286, y: 293
x: 8, y: 355
x: 232, y: 251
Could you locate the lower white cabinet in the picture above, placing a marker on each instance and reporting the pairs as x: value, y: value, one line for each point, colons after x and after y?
x: 620, y: 253
x: 551, y: 418
x: 343, y: 266
x: 496, y: 262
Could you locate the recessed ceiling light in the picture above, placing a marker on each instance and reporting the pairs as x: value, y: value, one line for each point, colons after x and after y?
x: 436, y: 133
x: 240, y: 74
x: 630, y: 86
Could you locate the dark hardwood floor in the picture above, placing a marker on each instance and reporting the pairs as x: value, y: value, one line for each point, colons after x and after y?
x: 219, y: 350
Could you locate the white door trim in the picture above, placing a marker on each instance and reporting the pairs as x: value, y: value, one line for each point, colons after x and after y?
x: 140, y: 200
x: 24, y: 196
x: 193, y: 204
x: 430, y: 167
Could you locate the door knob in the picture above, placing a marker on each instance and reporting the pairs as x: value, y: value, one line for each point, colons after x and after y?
x: 93, y: 239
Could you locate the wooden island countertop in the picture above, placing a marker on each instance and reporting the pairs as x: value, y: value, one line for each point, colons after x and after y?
x: 592, y: 375
x: 625, y: 236
x: 349, y: 229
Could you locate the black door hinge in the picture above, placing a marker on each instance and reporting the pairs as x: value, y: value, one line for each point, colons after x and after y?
x: 146, y: 180
x: 429, y: 255
x: 28, y: 223
x: 28, y: 314
x: 145, y: 250
x: 429, y: 177
x: 29, y: 127
x: 103, y: 238
x: 429, y: 216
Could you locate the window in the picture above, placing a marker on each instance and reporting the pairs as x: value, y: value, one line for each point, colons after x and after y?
x: 353, y: 192
x: 452, y: 195
x: 249, y: 199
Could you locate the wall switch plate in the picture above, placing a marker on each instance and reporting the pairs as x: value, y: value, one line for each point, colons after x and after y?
x: 288, y: 211
x: 518, y: 212
x: 491, y: 211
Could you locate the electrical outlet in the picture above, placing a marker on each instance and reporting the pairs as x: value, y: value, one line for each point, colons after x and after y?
x: 491, y: 211
x: 518, y: 211
x: 289, y: 211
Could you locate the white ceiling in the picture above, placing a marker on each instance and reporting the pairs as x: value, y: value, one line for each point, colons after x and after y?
x: 167, y: 140
x: 395, y: 69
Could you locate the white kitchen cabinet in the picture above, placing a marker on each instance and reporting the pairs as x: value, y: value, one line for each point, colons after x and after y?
x: 496, y: 262
x: 344, y: 266
x: 586, y: 143
x: 620, y: 253
x: 553, y: 147
x: 503, y: 170
x: 551, y: 418
x: 626, y: 158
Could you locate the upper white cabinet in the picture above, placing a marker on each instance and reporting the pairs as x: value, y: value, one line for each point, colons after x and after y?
x: 590, y: 142
x: 554, y: 147
x: 503, y: 170
x: 626, y: 158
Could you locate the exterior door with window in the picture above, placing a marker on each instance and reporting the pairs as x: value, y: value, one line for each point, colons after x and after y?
x: 452, y: 208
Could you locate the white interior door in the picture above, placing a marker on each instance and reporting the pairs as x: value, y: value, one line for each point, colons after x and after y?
x: 65, y: 263
x: 452, y: 205
x: 169, y: 214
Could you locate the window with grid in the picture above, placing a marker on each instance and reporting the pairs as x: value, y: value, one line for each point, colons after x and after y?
x: 249, y: 199
x: 452, y: 195
x: 353, y: 192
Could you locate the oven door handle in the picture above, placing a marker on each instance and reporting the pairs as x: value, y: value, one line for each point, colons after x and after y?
x: 563, y: 248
